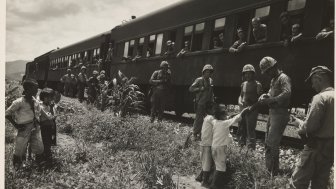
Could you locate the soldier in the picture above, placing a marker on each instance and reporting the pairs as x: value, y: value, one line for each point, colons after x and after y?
x: 251, y: 89
x: 66, y: 80
x: 101, y: 78
x: 160, y: 81
x: 277, y: 99
x: 317, y: 156
x: 202, y: 86
x: 73, y: 85
x: 81, y: 83
x: 93, y: 87
x: 240, y: 43
x: 259, y: 30
x: 23, y: 114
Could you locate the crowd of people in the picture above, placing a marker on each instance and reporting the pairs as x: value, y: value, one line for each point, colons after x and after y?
x: 34, y: 118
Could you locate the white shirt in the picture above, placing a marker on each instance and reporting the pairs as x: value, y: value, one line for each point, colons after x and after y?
x: 206, y: 135
x: 221, y: 131
x: 22, y: 112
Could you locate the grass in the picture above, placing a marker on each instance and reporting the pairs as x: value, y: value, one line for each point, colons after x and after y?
x: 99, y: 150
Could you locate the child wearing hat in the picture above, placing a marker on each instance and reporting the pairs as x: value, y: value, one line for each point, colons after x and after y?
x: 47, y: 122
x: 23, y: 114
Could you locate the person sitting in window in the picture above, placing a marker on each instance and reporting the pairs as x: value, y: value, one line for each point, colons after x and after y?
x: 216, y: 43
x: 184, y: 50
x: 137, y: 56
x: 286, y: 29
x: 170, y: 48
x: 296, y: 33
x: 240, y: 43
x: 149, y: 52
x: 221, y: 39
x: 326, y: 32
x: 259, y: 30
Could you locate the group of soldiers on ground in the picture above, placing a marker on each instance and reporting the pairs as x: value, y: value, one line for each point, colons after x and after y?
x: 211, y: 124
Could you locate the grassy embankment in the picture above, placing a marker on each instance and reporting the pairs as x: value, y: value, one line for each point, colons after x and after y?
x: 99, y: 150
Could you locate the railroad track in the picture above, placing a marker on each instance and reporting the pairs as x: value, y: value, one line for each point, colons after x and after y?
x: 290, y: 137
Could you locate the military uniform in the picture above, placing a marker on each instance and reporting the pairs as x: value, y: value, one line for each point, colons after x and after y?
x: 73, y: 85
x: 93, y: 89
x: 317, y: 157
x: 66, y: 79
x: 202, y: 99
x: 81, y: 83
x: 160, y: 81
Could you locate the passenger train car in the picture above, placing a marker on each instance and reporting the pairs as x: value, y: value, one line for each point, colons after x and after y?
x: 198, y: 22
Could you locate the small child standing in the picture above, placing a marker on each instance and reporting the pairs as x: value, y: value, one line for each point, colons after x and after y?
x: 47, y: 122
x: 23, y: 114
x: 221, y: 139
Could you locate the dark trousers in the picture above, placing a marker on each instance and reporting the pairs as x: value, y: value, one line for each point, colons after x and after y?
x: 158, y: 102
x: 246, y: 129
x: 47, y: 133
x: 81, y: 88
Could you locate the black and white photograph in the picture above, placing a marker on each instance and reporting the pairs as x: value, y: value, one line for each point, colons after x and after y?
x: 168, y: 94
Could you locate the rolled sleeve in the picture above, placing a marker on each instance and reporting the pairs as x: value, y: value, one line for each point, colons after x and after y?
x: 285, y: 91
x: 195, y: 86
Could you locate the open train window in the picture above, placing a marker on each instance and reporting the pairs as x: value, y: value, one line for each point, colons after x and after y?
x: 140, y: 46
x: 295, y: 5
x: 151, y: 45
x: 295, y: 9
x: 158, y: 46
x: 198, y: 37
x: 187, y: 35
x: 218, y: 33
x: 262, y: 13
x: 131, y: 48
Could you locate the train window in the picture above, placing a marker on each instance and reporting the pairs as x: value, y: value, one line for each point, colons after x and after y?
x: 152, y: 38
x: 198, y: 37
x: 188, y: 30
x: 131, y: 48
x: 262, y: 12
x: 296, y: 5
x: 141, y: 40
x: 218, y: 33
x: 151, y: 45
x: 158, y: 46
x: 126, y: 49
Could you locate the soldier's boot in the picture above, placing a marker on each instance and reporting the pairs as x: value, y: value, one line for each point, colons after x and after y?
x: 205, y: 179
x: 40, y: 160
x: 218, y: 180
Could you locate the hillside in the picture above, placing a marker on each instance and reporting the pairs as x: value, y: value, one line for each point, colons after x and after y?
x: 15, y: 69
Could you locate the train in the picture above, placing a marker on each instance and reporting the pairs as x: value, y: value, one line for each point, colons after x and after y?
x: 198, y: 22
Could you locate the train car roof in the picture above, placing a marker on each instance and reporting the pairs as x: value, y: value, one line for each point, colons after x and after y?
x: 89, y: 43
x: 181, y: 13
x: 43, y: 55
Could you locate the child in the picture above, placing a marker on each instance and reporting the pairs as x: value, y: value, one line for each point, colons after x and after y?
x: 221, y: 139
x: 23, y: 114
x: 47, y: 122
x: 250, y: 91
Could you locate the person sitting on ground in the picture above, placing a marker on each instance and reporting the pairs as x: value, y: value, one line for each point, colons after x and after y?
x: 326, y: 32
x: 184, y: 50
x: 239, y: 45
x: 296, y: 34
x: 286, y: 28
x: 259, y: 30
x: 47, y: 122
x: 170, y: 48
x: 23, y: 114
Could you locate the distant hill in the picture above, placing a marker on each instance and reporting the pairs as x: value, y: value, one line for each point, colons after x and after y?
x: 15, y: 69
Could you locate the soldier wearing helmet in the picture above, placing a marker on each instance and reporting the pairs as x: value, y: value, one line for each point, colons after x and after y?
x: 251, y: 89
x: 160, y: 82
x: 277, y: 99
x: 203, y: 88
x: 93, y: 87
x: 81, y: 83
x: 317, y: 157
x: 66, y: 80
x: 23, y: 113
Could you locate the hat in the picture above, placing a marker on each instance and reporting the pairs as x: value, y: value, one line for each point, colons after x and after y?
x: 68, y: 70
x: 318, y: 70
x: 83, y: 67
x: 102, y: 72
x: 95, y: 72
x: 296, y: 26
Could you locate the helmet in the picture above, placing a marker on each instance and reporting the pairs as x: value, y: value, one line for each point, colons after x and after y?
x: 95, y: 72
x: 248, y: 68
x: 164, y: 64
x: 266, y: 63
x: 207, y: 67
x: 83, y: 67
x: 68, y: 70
x: 102, y: 72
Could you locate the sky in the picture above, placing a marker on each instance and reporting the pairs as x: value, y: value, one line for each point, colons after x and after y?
x: 37, y: 26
